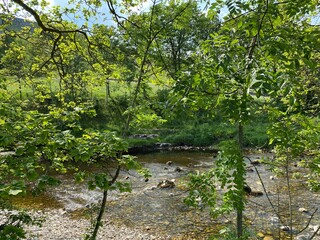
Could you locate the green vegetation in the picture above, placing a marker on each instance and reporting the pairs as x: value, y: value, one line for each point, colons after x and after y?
x: 195, y: 130
x: 73, y: 94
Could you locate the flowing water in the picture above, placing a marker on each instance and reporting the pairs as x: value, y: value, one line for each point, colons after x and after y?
x: 164, y: 211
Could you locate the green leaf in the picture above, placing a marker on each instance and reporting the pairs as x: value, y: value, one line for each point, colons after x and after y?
x: 309, y: 63
x: 15, y: 191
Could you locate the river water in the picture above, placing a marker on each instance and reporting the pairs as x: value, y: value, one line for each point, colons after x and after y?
x: 164, y: 211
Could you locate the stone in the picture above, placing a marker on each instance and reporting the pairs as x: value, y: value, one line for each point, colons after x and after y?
x: 150, y: 188
x: 63, y: 211
x: 165, y: 145
x: 178, y: 169
x: 250, y: 169
x: 268, y: 238
x: 169, y: 163
x: 145, y: 136
x: 247, y: 189
x: 274, y: 219
x: 166, y: 184
x: 285, y: 228
x: 256, y: 193
x: 260, y: 234
x: 302, y: 237
x: 255, y: 162
x: 304, y: 210
x: 315, y: 228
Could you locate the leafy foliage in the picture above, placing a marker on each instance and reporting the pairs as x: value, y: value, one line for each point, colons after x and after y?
x: 295, y: 138
x: 13, y: 228
x: 229, y: 173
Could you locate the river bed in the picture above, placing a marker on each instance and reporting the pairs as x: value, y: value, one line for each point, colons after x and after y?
x: 163, y: 211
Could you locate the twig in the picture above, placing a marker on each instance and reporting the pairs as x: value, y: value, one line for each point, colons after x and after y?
x: 308, y: 223
x: 264, y: 189
x: 314, y: 234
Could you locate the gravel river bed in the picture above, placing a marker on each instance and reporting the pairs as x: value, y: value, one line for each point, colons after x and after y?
x: 149, y: 212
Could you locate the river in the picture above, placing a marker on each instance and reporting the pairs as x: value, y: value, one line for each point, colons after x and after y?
x: 164, y: 211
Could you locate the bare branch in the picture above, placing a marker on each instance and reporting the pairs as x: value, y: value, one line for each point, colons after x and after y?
x: 43, y: 26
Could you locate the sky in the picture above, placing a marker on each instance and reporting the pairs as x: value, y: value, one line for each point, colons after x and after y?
x: 109, y: 21
x: 64, y: 3
x: 146, y: 5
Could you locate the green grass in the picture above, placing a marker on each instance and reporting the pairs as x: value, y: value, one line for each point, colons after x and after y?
x: 255, y: 135
x: 196, y: 131
x: 205, y: 134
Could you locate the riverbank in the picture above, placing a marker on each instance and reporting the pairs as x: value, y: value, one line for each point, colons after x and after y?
x: 59, y: 225
x: 149, y: 212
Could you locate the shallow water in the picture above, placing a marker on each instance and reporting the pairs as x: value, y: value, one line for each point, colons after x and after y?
x: 163, y: 210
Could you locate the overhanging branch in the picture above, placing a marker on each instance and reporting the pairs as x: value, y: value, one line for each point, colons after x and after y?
x: 45, y: 28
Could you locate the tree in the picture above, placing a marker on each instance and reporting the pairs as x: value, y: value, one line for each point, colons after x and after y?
x: 182, y: 38
x: 251, y: 58
x: 52, y: 139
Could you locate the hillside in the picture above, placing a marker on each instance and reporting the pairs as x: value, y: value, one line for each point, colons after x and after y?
x: 17, y: 23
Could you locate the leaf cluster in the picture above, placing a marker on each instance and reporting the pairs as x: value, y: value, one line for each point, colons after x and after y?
x: 228, y: 175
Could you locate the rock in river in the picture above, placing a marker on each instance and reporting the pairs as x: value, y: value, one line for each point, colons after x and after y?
x: 166, y: 184
x: 169, y: 163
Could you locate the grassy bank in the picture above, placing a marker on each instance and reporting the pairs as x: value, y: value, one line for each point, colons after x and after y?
x: 182, y: 126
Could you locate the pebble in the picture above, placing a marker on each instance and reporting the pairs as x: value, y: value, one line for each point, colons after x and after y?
x: 268, y: 238
x: 302, y: 237
x: 255, y: 162
x: 285, y: 228
x: 274, y: 220
x: 315, y: 228
x: 169, y: 163
x: 150, y: 188
x: 304, y: 210
x: 260, y: 234
x: 59, y: 226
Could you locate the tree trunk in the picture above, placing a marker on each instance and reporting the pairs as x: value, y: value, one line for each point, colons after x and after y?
x: 107, y: 91
x: 103, y: 205
x: 239, y: 210
x: 99, y: 218
x: 239, y: 223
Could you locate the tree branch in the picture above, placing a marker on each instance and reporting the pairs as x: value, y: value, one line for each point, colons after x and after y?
x: 40, y: 23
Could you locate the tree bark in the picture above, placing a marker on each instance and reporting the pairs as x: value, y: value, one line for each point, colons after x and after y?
x: 103, y: 205
x: 239, y: 210
x: 99, y: 218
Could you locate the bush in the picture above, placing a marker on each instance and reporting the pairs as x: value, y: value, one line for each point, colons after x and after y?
x: 207, y: 134
x: 184, y: 137
x: 201, y: 135
x: 204, y: 135
x: 255, y: 135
